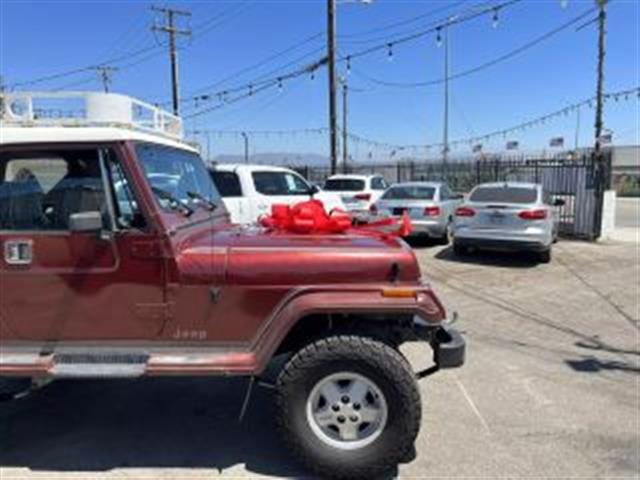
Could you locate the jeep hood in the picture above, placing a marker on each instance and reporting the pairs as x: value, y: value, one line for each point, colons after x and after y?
x: 255, y: 256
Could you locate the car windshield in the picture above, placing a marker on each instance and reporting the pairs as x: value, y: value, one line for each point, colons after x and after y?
x: 505, y: 194
x: 176, y: 174
x: 280, y: 183
x: 412, y: 192
x: 344, y: 185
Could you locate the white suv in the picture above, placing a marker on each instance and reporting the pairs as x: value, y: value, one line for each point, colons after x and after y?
x: 248, y: 191
x: 358, y: 192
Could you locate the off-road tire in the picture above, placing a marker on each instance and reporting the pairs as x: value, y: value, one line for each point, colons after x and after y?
x: 380, y: 363
x: 544, y: 256
x: 9, y: 387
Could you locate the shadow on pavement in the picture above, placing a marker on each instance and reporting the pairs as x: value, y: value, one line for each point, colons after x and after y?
x: 595, y: 365
x: 488, y: 257
x: 422, y: 242
x: 147, y: 423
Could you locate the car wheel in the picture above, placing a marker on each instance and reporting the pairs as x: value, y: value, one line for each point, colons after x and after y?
x: 349, y: 407
x: 447, y: 237
x: 10, y: 387
x: 545, y: 256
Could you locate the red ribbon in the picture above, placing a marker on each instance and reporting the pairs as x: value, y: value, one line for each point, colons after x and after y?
x: 310, y: 217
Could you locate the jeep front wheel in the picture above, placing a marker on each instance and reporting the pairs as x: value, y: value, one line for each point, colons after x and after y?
x: 349, y: 407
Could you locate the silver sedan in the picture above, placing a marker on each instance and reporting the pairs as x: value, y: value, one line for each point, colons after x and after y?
x: 507, y: 216
x: 430, y: 206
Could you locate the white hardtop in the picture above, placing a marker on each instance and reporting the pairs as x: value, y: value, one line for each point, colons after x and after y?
x: 248, y: 168
x: 57, y: 117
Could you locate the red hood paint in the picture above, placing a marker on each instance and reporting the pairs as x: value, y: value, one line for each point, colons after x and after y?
x: 255, y: 256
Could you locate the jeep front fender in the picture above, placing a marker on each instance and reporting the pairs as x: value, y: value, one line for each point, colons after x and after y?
x: 415, y: 300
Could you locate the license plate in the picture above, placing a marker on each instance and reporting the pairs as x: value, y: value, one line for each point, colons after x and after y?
x: 496, y: 218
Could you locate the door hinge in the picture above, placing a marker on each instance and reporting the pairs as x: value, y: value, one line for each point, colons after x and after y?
x: 215, y: 293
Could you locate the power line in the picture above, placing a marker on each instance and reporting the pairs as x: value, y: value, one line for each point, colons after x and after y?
x: 250, y: 86
x: 203, y: 28
x: 260, y: 63
x: 449, y: 22
x: 502, y: 58
x: 624, y: 95
x: 263, y: 133
x: 346, y: 37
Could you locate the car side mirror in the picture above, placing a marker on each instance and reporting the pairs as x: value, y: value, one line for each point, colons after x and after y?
x: 313, y: 190
x: 558, y: 202
x: 458, y: 196
x: 85, y: 222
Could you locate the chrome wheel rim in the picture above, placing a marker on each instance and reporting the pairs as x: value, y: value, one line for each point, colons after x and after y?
x: 347, y: 411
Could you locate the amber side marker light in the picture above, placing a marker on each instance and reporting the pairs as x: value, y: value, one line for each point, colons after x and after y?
x: 399, y: 293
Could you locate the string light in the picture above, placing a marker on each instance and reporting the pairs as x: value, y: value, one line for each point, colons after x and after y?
x: 251, y: 89
x: 439, y: 37
x: 279, y: 85
x: 495, y: 20
x: 390, y: 52
x: 349, y: 65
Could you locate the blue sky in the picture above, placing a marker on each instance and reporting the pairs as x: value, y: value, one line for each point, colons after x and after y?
x: 47, y: 37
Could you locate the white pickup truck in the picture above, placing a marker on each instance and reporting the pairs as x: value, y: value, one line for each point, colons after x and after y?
x: 248, y: 191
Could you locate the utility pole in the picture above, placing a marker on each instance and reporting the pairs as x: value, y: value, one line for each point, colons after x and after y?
x: 105, y: 74
x: 577, y: 139
x: 331, y: 58
x: 345, y: 131
x: 445, y: 129
x: 170, y: 28
x: 245, y: 136
x: 599, y: 125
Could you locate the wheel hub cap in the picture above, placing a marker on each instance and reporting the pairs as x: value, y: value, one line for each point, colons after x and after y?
x: 347, y: 410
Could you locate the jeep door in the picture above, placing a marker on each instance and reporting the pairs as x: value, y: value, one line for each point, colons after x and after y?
x: 59, y: 283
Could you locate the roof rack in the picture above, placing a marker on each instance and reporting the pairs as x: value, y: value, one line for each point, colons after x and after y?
x: 86, y: 109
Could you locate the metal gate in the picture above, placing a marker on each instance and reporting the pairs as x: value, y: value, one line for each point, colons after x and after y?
x: 579, y: 180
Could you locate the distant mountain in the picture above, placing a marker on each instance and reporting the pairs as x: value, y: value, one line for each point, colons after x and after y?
x: 276, y: 158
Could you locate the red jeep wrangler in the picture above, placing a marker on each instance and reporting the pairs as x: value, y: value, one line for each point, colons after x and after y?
x: 118, y: 260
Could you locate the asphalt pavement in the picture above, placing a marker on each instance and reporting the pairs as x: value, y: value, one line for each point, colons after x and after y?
x: 550, y: 390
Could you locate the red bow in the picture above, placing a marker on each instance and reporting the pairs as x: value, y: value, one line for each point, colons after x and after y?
x: 310, y: 217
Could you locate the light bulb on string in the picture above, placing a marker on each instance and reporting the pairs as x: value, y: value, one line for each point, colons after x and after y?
x: 313, y: 74
x: 495, y: 20
x: 439, y: 37
x: 390, y: 52
x: 349, y: 65
x: 279, y: 85
x: 251, y: 90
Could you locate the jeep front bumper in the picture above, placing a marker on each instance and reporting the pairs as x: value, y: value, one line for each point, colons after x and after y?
x: 448, y: 347
x: 447, y: 344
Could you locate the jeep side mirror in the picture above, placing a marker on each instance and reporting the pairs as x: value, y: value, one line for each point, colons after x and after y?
x: 85, y: 222
x: 558, y: 202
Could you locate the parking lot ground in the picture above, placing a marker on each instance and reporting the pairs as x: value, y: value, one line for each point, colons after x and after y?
x: 550, y: 389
